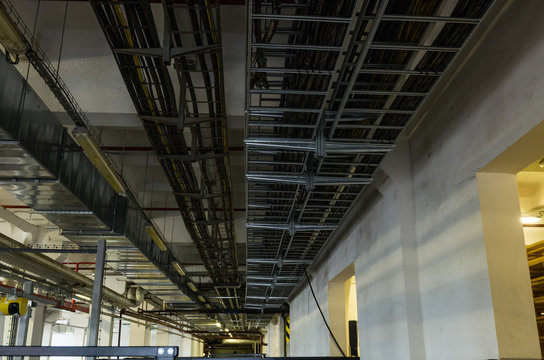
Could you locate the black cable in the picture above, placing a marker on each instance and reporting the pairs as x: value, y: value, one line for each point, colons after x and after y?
x: 323, y: 316
x: 62, y: 36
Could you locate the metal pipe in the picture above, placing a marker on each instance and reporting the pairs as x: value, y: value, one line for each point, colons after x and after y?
x: 48, y: 263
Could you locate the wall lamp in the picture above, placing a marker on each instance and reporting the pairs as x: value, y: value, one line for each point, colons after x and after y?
x: 530, y: 219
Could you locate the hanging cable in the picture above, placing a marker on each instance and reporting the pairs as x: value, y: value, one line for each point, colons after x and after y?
x: 22, y: 98
x: 62, y: 36
x: 323, y: 316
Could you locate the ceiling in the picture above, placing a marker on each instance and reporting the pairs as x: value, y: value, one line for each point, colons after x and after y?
x: 281, y: 129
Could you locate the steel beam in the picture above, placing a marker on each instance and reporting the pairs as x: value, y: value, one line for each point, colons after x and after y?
x: 415, y: 18
x: 295, y: 47
x: 288, y: 92
x: 94, y: 318
x: 24, y: 321
x: 311, y: 145
x: 412, y: 47
x: 301, y: 179
x: 289, y: 227
x: 158, y: 352
x: 330, y: 19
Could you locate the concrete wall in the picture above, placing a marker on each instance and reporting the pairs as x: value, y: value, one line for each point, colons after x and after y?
x: 274, y: 337
x: 416, y: 237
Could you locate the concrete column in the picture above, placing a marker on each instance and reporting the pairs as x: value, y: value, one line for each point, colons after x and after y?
x: 38, y: 322
x: 185, y: 347
x: 2, y: 326
x: 399, y: 169
x: 162, y: 339
x: 197, y: 348
x: 515, y: 319
x: 106, y: 331
x: 137, y: 334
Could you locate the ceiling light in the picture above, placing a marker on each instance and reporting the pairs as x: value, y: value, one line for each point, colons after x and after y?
x: 230, y: 334
x: 10, y: 37
x: 178, y: 268
x: 192, y: 286
x: 530, y: 219
x: 218, y: 324
x: 156, y: 237
x: 201, y: 298
x: 93, y: 152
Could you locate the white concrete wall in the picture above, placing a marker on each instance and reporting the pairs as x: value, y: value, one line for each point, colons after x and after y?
x: 421, y: 268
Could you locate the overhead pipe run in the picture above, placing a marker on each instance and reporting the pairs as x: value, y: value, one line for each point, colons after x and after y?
x: 81, y: 283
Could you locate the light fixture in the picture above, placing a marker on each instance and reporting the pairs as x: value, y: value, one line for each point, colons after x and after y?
x: 541, y: 163
x: 530, y: 219
x: 83, y: 297
x: 218, y: 324
x: 156, y: 237
x: 201, y: 298
x: 178, y: 268
x: 192, y: 286
x: 93, y: 152
x: 10, y: 37
x: 230, y: 334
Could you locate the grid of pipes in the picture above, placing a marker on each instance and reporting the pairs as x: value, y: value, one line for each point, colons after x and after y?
x: 331, y: 85
x: 173, y: 114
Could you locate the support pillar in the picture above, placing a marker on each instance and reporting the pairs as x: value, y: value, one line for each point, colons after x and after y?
x: 515, y: 319
x: 94, y: 318
x: 36, y: 335
x: 23, y: 321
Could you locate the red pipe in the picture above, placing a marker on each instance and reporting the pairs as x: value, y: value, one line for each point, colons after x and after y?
x: 70, y: 307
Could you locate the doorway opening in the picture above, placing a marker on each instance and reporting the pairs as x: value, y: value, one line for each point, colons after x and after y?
x: 531, y: 200
x: 343, y: 313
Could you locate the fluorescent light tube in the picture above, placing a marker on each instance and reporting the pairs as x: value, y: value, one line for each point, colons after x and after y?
x: 178, y: 268
x: 93, y: 152
x: 156, y: 237
x: 192, y: 286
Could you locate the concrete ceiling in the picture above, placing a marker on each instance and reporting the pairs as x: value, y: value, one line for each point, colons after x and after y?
x: 89, y: 70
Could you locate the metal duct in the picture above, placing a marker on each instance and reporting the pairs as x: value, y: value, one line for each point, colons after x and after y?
x: 44, y: 168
